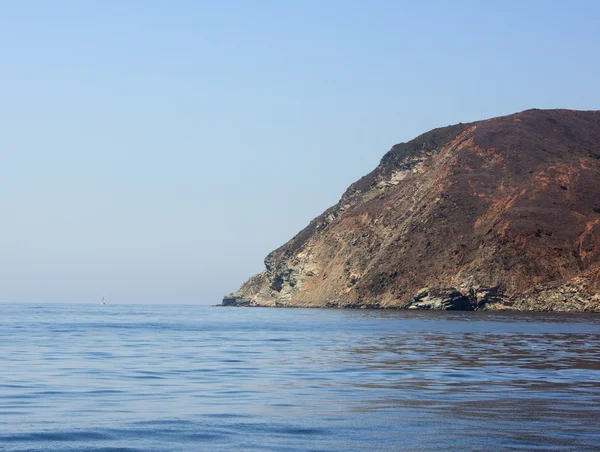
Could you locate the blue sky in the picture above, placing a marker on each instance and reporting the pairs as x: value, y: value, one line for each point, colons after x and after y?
x: 155, y: 152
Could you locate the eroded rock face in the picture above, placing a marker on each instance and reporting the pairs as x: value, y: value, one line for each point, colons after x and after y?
x: 232, y: 300
x: 506, y: 212
x: 446, y: 299
x: 581, y: 293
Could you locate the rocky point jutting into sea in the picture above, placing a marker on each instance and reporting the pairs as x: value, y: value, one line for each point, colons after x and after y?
x: 496, y: 214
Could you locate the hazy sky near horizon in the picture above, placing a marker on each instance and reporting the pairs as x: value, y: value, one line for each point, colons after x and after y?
x: 155, y: 152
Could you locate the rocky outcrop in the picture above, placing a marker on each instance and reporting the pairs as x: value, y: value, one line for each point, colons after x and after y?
x: 581, y: 293
x: 447, y: 299
x: 504, y: 213
x: 232, y: 300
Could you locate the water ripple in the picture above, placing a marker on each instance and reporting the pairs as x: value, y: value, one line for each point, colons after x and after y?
x: 160, y: 378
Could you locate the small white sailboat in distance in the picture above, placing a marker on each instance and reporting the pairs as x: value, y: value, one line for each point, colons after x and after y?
x: 103, y: 302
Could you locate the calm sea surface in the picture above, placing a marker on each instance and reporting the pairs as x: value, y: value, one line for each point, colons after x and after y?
x: 179, y: 378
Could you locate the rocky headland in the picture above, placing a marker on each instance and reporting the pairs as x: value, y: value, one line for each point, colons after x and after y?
x: 496, y: 214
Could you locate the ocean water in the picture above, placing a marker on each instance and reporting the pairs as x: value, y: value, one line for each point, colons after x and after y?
x: 180, y: 378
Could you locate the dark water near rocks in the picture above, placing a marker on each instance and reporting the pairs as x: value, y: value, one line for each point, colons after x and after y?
x: 158, y: 378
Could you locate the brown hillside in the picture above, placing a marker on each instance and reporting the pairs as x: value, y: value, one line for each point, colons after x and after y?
x: 503, y: 213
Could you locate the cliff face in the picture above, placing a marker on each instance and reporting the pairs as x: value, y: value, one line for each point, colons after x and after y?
x: 502, y: 213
